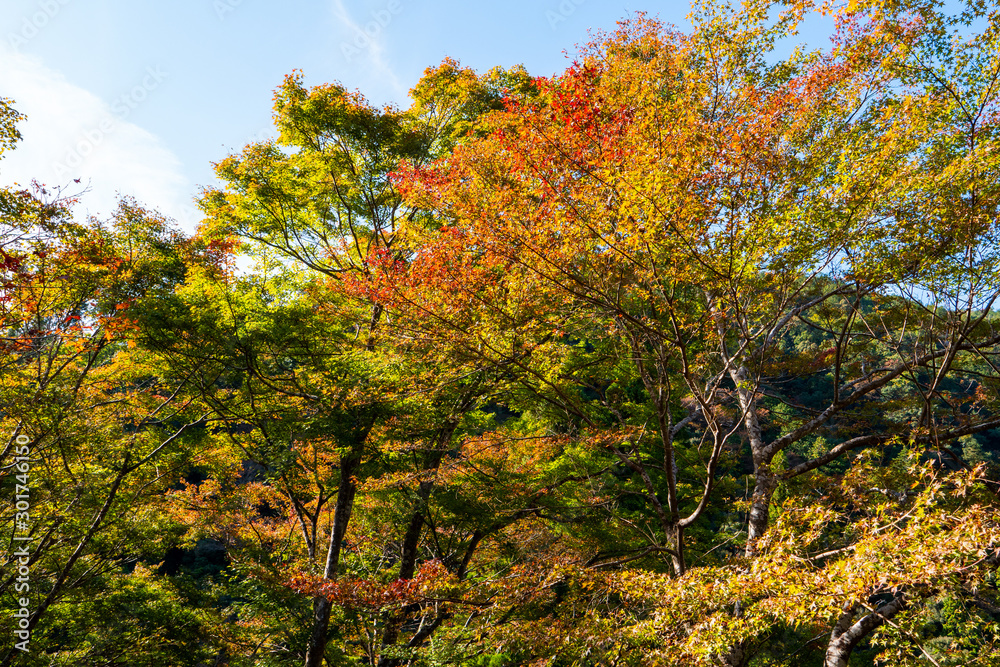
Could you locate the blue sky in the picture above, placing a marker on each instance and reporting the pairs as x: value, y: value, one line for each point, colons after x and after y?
x: 140, y: 98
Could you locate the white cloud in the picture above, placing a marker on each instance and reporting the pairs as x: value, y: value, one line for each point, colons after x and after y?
x: 71, y: 134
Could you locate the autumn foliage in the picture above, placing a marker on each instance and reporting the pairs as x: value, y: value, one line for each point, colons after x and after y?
x: 686, y: 355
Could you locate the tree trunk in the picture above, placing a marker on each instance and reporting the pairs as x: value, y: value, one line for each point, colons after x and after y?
x: 411, y: 542
x: 676, y: 536
x: 765, y: 482
x: 736, y: 657
x: 846, y: 635
x: 407, y: 567
x: 341, y: 517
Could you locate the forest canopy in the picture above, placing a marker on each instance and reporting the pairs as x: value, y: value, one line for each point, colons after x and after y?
x: 686, y: 355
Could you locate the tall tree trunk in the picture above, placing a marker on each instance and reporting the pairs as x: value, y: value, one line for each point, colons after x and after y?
x: 341, y: 517
x: 407, y: 567
x: 411, y: 542
x: 737, y: 656
x: 846, y: 634
x: 676, y: 537
x: 765, y: 481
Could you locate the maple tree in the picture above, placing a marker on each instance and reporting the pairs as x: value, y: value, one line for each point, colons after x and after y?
x: 317, y: 208
x: 698, y: 201
x: 101, y: 433
x: 687, y: 355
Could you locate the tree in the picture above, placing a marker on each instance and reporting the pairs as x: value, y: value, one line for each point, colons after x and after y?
x: 319, y: 208
x: 700, y: 200
x: 687, y: 355
x: 92, y: 434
